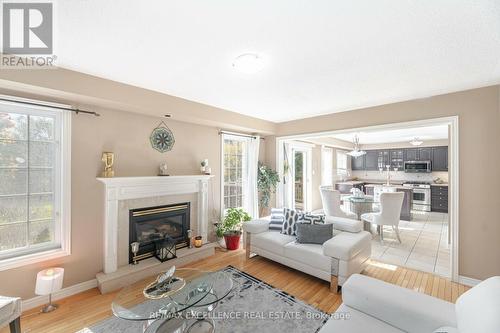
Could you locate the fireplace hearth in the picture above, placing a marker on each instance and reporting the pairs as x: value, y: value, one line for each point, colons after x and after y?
x: 147, y: 225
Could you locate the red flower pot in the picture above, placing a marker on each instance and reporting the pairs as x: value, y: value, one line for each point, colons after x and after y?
x: 232, y: 241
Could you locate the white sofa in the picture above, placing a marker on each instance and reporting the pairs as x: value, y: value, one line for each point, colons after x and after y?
x: 371, y: 305
x: 334, y: 261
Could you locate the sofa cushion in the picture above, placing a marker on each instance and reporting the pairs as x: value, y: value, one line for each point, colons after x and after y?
x: 478, y: 308
x: 349, y: 320
x: 272, y: 241
x: 314, y: 233
x: 10, y: 309
x: 256, y: 226
x: 347, y: 245
x: 344, y: 224
x: 403, y: 308
x: 310, y: 254
x: 291, y: 218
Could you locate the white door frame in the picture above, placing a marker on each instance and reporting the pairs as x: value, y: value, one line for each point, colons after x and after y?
x: 306, y: 148
x: 453, y: 170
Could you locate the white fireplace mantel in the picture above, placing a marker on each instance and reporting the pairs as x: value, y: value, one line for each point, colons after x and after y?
x: 125, y: 188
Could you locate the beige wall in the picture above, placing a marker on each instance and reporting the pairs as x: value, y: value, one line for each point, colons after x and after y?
x: 127, y: 135
x: 479, y: 128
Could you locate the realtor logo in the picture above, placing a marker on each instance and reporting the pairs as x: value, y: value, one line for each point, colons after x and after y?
x: 27, y: 28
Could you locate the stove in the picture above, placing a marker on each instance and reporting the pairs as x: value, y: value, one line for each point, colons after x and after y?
x: 421, y: 195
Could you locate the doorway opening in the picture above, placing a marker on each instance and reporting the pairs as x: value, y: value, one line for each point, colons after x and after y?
x: 418, y: 158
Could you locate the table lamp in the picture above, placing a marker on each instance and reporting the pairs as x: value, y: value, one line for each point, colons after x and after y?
x: 49, y: 281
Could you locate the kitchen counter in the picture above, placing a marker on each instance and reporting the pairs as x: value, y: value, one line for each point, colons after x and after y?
x: 351, y: 182
x: 444, y: 184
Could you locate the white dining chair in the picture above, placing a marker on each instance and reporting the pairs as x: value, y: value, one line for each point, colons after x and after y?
x: 331, y: 203
x: 390, y: 211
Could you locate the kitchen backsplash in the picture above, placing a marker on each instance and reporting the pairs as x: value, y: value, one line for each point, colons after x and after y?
x: 400, y: 175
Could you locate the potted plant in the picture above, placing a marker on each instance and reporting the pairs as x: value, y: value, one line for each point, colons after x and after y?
x: 267, y: 180
x: 230, y: 227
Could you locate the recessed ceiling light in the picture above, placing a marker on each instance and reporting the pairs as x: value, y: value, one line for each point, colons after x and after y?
x: 249, y: 63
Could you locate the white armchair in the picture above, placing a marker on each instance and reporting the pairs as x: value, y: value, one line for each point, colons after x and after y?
x: 331, y: 203
x: 10, y: 313
x: 390, y: 211
x: 379, y: 307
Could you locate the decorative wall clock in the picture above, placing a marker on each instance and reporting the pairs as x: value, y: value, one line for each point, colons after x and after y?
x: 162, y: 138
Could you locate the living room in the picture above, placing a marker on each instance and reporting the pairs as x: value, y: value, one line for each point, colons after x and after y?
x: 100, y: 144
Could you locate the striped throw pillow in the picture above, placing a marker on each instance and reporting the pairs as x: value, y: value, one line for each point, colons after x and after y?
x: 277, y: 219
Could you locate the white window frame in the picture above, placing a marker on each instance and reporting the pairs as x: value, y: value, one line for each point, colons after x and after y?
x: 62, y: 190
x: 342, y: 171
x: 225, y: 136
x: 327, y: 166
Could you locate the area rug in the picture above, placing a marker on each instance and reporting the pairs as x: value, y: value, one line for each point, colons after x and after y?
x: 254, y: 305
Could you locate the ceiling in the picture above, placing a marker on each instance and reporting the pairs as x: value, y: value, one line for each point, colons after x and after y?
x: 321, y: 56
x: 437, y: 132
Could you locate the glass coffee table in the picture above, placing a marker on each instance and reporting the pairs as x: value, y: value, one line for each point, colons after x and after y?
x: 185, y: 309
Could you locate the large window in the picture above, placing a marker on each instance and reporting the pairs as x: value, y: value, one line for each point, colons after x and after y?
x: 32, y: 181
x: 234, y: 164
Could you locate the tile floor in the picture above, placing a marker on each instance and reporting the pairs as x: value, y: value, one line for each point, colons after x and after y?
x: 424, y: 244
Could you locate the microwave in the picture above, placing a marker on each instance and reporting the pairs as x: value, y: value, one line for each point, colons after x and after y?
x: 417, y: 166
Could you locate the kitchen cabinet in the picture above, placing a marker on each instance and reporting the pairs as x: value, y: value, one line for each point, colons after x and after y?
x: 411, y: 154
x: 397, y: 159
x: 418, y: 154
x: 358, y: 163
x: 424, y: 154
x: 407, y: 203
x: 439, y: 159
x: 439, y: 199
x: 383, y: 159
x: 371, y: 160
x: 369, y: 190
x: 375, y: 159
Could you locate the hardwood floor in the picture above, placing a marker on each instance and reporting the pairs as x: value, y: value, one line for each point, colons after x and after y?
x: 84, y: 309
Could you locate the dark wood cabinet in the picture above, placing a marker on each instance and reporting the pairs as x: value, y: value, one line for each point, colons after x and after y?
x: 375, y: 159
x: 371, y: 160
x: 369, y: 190
x: 407, y: 204
x: 397, y: 159
x: 383, y: 159
x: 439, y: 199
x: 358, y: 163
x: 411, y: 154
x: 440, y: 159
x: 424, y: 154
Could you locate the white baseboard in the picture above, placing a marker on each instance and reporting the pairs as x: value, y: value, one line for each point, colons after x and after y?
x: 468, y: 281
x: 65, y: 292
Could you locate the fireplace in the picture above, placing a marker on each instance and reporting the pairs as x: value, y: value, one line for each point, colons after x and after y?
x: 148, y: 224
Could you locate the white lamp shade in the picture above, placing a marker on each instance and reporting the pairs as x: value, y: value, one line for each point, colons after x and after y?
x: 49, y: 280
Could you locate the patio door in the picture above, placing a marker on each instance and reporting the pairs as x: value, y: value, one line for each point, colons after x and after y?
x: 301, y: 174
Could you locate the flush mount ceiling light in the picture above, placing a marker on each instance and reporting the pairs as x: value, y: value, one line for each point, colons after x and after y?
x: 356, y: 152
x: 416, y: 142
x: 248, y: 63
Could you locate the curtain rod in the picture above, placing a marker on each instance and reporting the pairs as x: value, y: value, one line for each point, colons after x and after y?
x: 77, y: 111
x: 239, y: 134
